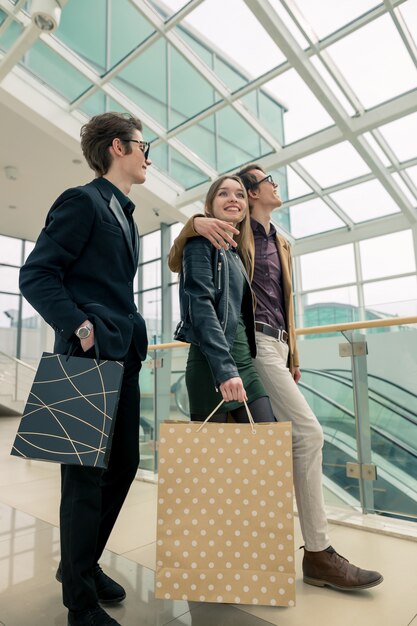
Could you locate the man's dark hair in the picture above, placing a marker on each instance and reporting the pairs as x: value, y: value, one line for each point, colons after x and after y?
x: 248, y: 179
x: 98, y: 134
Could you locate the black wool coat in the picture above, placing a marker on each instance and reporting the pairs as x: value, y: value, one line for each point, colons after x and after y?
x: 82, y: 267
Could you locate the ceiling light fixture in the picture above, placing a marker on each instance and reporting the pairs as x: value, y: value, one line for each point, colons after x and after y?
x: 46, y: 14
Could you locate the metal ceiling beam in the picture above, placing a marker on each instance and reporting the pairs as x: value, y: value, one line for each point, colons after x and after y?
x: 22, y: 44
x: 278, y: 31
x: 366, y: 230
x: 208, y: 75
x: 10, y: 11
x: 402, y: 29
x: 399, y: 167
x: 382, y: 114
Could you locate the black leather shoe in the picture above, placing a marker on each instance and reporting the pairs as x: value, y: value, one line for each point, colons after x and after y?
x: 108, y: 590
x: 92, y: 617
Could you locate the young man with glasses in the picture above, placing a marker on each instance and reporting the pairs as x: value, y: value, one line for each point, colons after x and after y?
x: 278, y: 367
x: 79, y: 277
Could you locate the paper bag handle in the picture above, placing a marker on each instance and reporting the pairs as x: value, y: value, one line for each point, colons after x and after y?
x: 252, y: 423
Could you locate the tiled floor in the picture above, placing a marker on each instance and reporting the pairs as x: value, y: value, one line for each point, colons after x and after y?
x: 29, y: 553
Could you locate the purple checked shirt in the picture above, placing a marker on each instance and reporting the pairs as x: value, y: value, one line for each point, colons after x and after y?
x: 267, y: 281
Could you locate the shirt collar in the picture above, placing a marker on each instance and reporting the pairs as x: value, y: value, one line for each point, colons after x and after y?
x: 258, y: 228
x: 125, y: 202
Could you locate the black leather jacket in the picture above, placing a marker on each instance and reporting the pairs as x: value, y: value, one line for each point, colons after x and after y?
x: 214, y: 291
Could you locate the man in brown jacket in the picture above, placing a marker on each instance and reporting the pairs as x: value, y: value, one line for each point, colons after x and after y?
x: 278, y: 366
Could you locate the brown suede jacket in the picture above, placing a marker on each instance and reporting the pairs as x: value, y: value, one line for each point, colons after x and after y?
x: 284, y: 252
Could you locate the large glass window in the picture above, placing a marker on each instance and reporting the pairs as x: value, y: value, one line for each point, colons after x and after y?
x: 22, y: 332
x: 55, y: 71
x: 10, y: 250
x: 365, y: 201
x: 395, y: 297
x: 150, y: 305
x: 387, y: 255
x: 363, y: 71
x: 150, y: 246
x: 9, y: 278
x: 312, y: 217
x: 149, y: 283
x: 386, y: 285
x: 335, y: 266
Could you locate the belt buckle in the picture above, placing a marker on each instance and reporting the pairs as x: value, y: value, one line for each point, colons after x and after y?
x: 283, y: 335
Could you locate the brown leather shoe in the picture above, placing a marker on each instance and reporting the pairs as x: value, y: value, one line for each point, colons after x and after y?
x: 328, y: 568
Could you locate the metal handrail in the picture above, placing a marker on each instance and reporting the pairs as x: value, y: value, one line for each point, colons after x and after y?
x: 18, y: 361
x: 315, y: 330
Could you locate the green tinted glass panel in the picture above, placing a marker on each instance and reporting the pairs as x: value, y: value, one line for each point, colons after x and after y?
x: 144, y: 81
x: 271, y: 115
x: 95, y: 104
x: 128, y: 29
x: 83, y: 29
x: 177, y: 166
x: 237, y: 141
x: 55, y: 72
x: 251, y: 102
x: 201, y: 139
x: 9, y: 37
x: 281, y: 217
x: 190, y: 93
x: 267, y: 110
x: 2, y: 17
x: 149, y: 135
x: 231, y: 77
x: 112, y: 105
x: 184, y: 171
x: 159, y: 157
x: 166, y: 11
x: 204, y: 53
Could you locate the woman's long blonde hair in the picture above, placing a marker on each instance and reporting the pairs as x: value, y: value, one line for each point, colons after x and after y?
x: 246, y: 245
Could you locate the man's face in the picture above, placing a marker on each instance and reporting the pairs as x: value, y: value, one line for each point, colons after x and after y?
x: 266, y: 192
x: 135, y: 164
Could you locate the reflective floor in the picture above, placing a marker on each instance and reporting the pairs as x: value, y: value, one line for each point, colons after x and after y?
x: 29, y: 553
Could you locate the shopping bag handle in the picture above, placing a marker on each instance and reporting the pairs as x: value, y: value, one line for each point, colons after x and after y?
x: 74, y: 345
x: 252, y: 423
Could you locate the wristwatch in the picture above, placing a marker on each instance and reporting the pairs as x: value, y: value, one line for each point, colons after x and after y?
x: 84, y: 331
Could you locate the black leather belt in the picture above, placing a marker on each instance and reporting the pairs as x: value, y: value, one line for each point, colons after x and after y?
x: 278, y: 333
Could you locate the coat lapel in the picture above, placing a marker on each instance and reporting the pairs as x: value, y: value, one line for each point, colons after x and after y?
x: 117, y: 211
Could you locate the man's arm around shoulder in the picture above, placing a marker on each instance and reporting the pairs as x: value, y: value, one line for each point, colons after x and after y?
x: 218, y: 232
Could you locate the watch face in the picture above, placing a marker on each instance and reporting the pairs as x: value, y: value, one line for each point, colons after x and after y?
x: 83, y: 332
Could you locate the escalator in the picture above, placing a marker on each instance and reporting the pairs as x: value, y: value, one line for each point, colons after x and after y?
x: 393, y: 419
x: 393, y: 436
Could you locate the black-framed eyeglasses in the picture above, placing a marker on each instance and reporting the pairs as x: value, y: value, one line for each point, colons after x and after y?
x: 268, y: 178
x: 145, y: 146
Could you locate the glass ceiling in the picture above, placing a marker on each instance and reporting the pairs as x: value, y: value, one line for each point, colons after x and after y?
x: 322, y: 94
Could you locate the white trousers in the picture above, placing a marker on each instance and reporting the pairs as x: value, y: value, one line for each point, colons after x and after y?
x: 289, y: 405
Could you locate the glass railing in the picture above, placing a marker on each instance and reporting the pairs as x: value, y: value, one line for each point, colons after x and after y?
x: 366, y: 404
x: 16, y: 379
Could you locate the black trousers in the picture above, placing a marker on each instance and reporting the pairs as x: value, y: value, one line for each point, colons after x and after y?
x: 91, y: 498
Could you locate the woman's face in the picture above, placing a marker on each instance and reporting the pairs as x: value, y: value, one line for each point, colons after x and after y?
x: 229, y: 203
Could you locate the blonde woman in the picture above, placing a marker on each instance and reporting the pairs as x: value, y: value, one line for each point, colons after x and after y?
x: 217, y: 315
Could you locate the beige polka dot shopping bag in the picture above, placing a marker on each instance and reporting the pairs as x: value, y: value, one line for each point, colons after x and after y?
x: 225, y: 513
